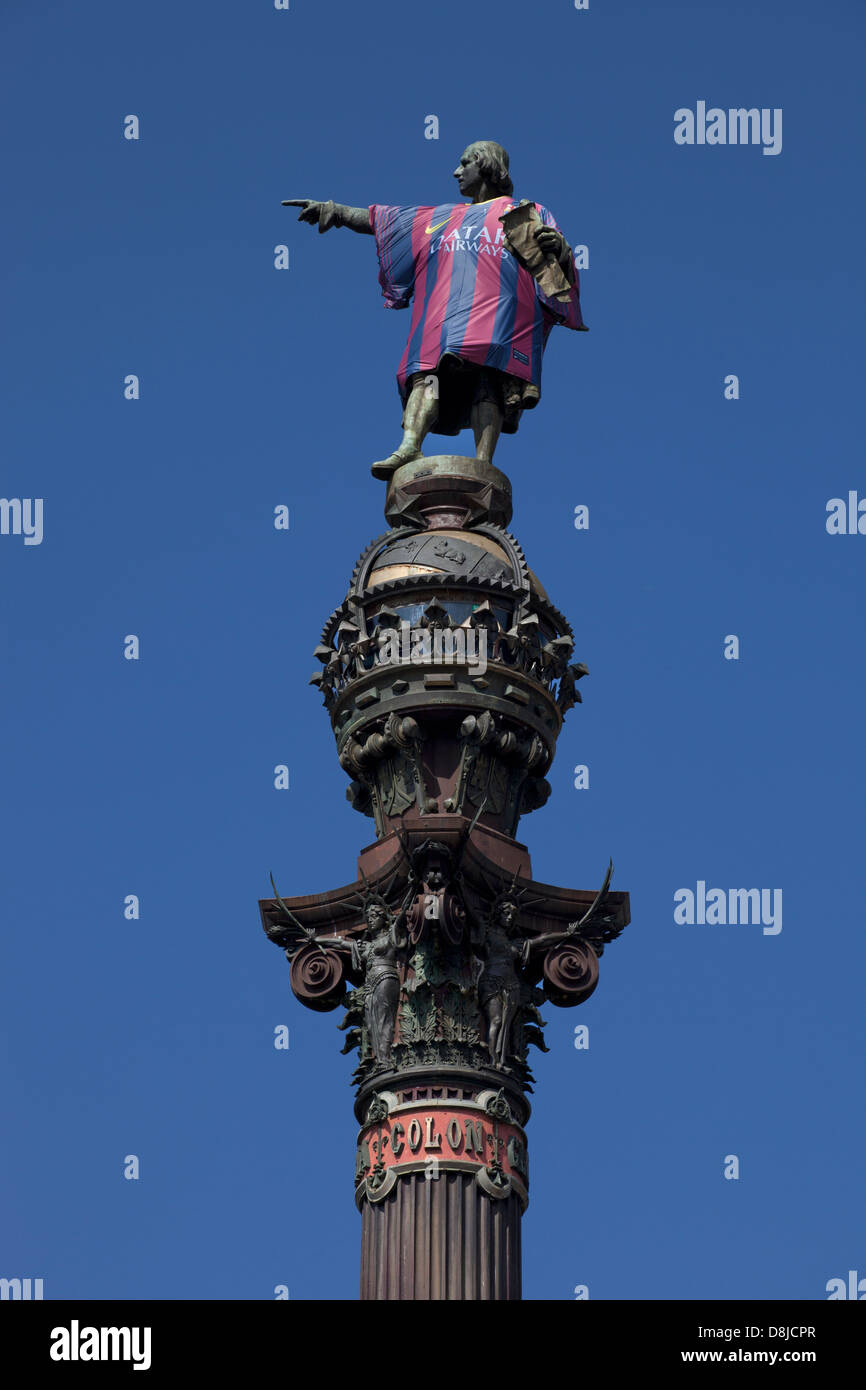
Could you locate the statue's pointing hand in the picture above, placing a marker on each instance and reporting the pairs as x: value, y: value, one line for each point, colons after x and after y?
x: 311, y: 211
x: 310, y: 208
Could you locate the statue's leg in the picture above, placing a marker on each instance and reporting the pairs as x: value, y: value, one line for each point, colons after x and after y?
x: 508, y: 1014
x: 486, y: 418
x: 419, y: 417
x: 486, y: 426
x: 383, y: 1014
x: 494, y: 1020
x: 376, y: 1030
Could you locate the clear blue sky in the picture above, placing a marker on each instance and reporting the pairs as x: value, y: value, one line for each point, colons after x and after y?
x: 260, y: 387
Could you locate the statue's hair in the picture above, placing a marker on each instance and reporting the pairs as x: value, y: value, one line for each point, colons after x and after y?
x: 429, y: 849
x: 493, y: 163
x: 377, y: 900
x: 507, y: 896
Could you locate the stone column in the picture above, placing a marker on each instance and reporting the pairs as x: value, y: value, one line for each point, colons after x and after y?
x: 446, y: 672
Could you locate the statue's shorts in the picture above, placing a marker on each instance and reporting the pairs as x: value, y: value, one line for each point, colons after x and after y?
x: 462, y: 384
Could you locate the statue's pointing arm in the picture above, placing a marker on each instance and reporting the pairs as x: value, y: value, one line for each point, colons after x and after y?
x: 330, y: 214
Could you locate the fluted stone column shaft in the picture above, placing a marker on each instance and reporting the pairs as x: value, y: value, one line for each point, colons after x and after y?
x: 440, y: 1238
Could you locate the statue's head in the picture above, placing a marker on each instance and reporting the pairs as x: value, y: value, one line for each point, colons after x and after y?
x: 506, y: 912
x: 376, y: 914
x: 432, y: 865
x: 484, y: 162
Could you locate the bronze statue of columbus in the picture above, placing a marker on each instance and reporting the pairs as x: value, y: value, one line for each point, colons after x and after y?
x: 486, y: 280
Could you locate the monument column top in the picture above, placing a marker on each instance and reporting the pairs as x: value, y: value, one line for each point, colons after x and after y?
x: 448, y: 490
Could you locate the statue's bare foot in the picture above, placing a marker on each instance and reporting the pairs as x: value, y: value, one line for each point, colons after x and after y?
x: 404, y: 454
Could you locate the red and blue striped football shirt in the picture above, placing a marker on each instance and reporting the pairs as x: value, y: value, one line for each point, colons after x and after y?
x: 469, y: 295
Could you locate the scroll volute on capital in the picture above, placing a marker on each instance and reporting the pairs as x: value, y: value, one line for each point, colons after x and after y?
x: 570, y: 973
x: 318, y: 978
